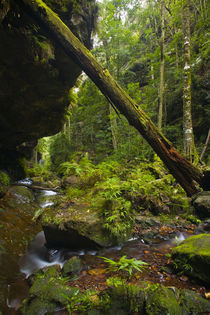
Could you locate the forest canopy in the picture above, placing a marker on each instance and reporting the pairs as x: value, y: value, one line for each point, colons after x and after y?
x: 152, y: 51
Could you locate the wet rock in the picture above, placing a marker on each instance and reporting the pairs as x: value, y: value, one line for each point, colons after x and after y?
x: 161, y: 300
x: 36, y: 75
x: 201, y: 204
x: 126, y: 299
x: 204, y: 227
x: 192, y: 303
x: 22, y: 198
x: 192, y: 257
x: 75, y: 227
x: 73, y: 265
x: 147, y: 221
x: 46, y: 272
x: 48, y: 292
x: 22, y: 194
x: 71, y: 180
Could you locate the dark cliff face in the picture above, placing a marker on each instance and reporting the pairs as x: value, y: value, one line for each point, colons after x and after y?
x: 35, y: 74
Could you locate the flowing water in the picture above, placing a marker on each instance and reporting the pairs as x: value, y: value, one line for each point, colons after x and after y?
x: 18, y: 261
x: 17, y: 230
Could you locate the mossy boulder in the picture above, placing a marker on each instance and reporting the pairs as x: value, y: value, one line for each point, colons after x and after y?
x: 48, y: 292
x: 192, y: 256
x: 72, y: 266
x: 201, y: 204
x: 126, y: 299
x: 151, y: 299
x: 192, y: 303
x: 46, y: 272
x: 21, y: 197
x: 76, y: 227
x: 161, y: 300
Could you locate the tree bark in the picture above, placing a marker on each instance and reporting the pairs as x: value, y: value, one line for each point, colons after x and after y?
x: 186, y: 174
x: 205, y: 146
x: 189, y: 146
x: 113, y: 125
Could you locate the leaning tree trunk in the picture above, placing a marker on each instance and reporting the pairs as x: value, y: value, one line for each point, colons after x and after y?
x: 186, y: 174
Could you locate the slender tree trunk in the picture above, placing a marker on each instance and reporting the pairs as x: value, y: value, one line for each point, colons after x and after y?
x: 68, y: 123
x: 152, y: 74
x: 112, y: 114
x: 162, y: 66
x: 189, y: 146
x: 205, y: 146
x: 176, y: 49
x: 186, y: 173
x: 35, y: 155
x: 113, y: 125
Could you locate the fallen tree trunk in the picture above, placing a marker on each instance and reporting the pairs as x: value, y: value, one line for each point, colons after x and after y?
x: 35, y: 187
x: 188, y: 176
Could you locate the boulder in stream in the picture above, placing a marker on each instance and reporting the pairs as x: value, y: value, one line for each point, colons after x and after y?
x: 192, y: 257
x: 201, y: 204
x: 75, y: 227
x: 71, y: 266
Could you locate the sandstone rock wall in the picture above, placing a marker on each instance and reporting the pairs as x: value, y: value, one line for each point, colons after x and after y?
x: 35, y: 74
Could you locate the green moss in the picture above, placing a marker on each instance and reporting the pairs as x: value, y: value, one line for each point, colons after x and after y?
x: 47, y: 292
x: 126, y: 298
x: 37, y: 306
x: 195, y: 245
x: 161, y: 300
x: 21, y: 197
x: 4, y: 178
x: 73, y: 265
x: 192, y: 303
x: 4, y: 183
x: 192, y: 256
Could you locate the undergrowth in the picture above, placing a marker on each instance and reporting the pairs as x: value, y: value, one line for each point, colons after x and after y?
x: 119, y: 191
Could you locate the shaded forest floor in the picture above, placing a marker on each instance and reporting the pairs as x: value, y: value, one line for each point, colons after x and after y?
x: 94, y: 273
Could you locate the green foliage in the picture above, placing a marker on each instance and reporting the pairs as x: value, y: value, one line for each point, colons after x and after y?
x: 125, y: 264
x: 74, y: 192
x: 59, y: 149
x: 4, y: 179
x: 78, y: 301
x: 117, y: 192
x: 83, y: 167
x: 193, y: 219
x: 115, y: 281
x: 41, y: 171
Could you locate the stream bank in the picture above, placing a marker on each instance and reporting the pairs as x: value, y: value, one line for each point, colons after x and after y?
x: 152, y: 240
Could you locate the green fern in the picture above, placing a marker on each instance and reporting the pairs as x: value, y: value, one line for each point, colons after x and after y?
x: 125, y: 264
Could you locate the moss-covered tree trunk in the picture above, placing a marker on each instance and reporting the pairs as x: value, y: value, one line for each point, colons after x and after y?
x: 186, y: 174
